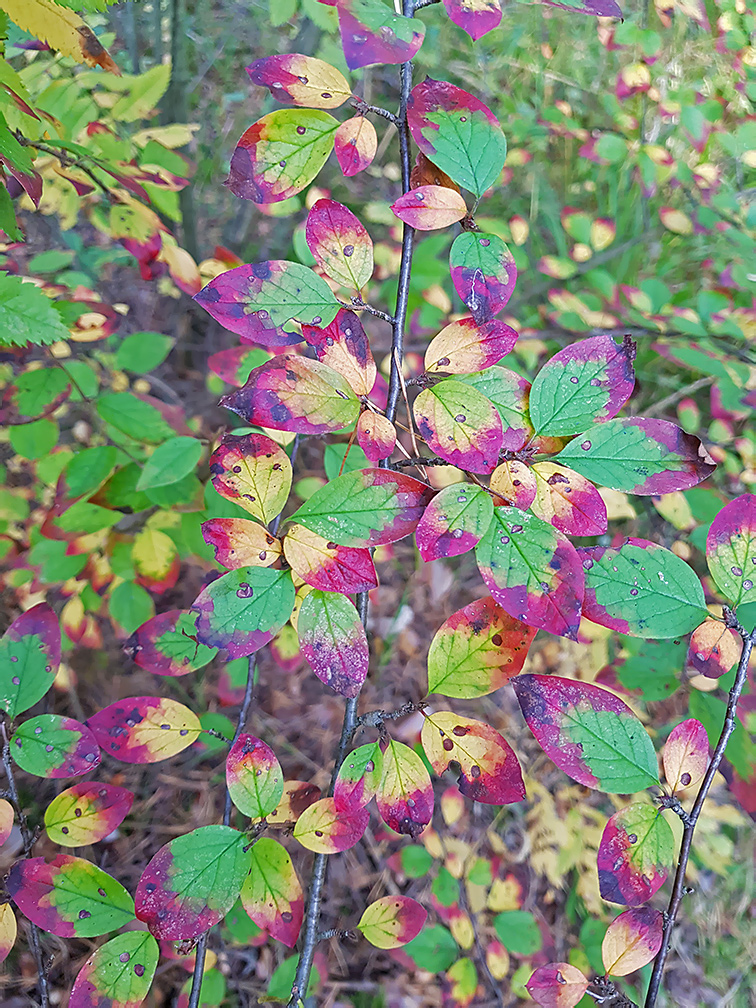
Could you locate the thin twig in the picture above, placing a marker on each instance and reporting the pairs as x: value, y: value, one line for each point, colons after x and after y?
x: 674, y: 397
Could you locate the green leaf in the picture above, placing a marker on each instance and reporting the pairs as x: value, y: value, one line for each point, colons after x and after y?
x: 130, y: 605
x: 119, y: 973
x: 33, y: 440
x: 8, y: 221
x: 143, y: 351
x: 136, y: 419
x: 519, y: 932
x: 27, y: 315
x: 29, y: 658
x: 38, y: 389
x: 170, y: 462
x: 433, y: 950
x: 89, y: 469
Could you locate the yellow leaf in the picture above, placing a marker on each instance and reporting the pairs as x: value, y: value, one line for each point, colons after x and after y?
x: 62, y: 29
x: 153, y: 553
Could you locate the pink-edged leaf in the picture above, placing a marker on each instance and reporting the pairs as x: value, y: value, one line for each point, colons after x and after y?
x: 144, y: 729
x: 333, y: 641
x: 460, y: 425
x: 392, y: 921
x: 557, y: 985
x: 254, y: 472
x: 301, y: 80
x: 430, y: 207
x: 355, y: 144
x: 272, y: 894
x: 326, y: 829
x: 372, y: 33
x: 118, y: 974
x: 253, y: 777
x: 340, y: 244
x: 358, y: 777
x: 508, y: 391
x: 343, y: 346
x: 685, y: 756
x: 234, y: 365
x: 51, y: 745
x: 731, y: 550
x: 635, y: 854
x: 641, y: 589
x: 477, y: 650
x: 29, y: 658
x: 466, y: 346
x: 7, y: 817
x: 241, y: 543
x: 295, y: 394
x: 586, y: 382
x: 454, y: 521
x: 459, y: 134
x: 69, y: 897
x: 280, y: 154
x: 714, y: 649
x: 490, y: 771
x: 532, y: 571
x: 405, y: 791
x: 514, y: 483
x: 376, y: 435
x: 8, y: 931
x: 639, y: 456
x: 192, y: 882
x: 568, y: 501
x: 366, y: 507
x: 599, y: 8
x: 483, y: 272
x: 326, y: 565
x: 167, y: 644
x: 476, y: 17
x: 588, y: 732
x: 86, y: 813
x: 632, y: 940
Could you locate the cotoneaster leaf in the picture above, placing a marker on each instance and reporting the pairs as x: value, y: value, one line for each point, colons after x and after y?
x: 476, y: 17
x: 343, y: 345
x: 167, y: 644
x: 118, y: 974
x: 714, y: 649
x: 632, y: 940
x: 272, y: 894
x: 568, y: 501
x: 8, y: 931
x: 29, y: 659
x: 392, y: 921
x: 326, y: 565
x: 301, y: 80
x: 685, y: 755
x: 358, y: 777
x: 333, y: 641
x: 460, y: 425
x: 483, y: 272
x: 508, y: 392
x: 253, y: 471
x: 405, y: 792
x: 376, y: 435
x: 467, y: 346
x: 454, y: 521
x: 326, y: 829
x: 241, y: 543
x: 514, y: 483
x: 637, y: 850
x: 144, y: 729
x: 731, y: 550
x: 372, y: 33
x: 254, y: 777
x: 86, y: 813
x: 430, y: 207
x: 355, y: 144
x: 557, y: 985
x: 51, y: 745
x: 340, y: 244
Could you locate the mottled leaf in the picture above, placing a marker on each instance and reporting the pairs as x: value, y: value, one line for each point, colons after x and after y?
x: 430, y: 207
x: 356, y: 144
x: 167, y: 644
x: 568, y: 501
x: 144, y: 729
x: 641, y: 589
x: 333, y: 641
x: 731, y: 550
x: 477, y: 650
x: 405, y: 792
x: 301, y: 80
x: 714, y: 649
x: 359, y: 776
x: 685, y: 755
x: 234, y: 365
x: 192, y: 882
x: 376, y: 435
x: 326, y: 565
x: 253, y: 471
x: 51, y: 745
x: 454, y: 521
x: 326, y: 829
x: 632, y: 940
x: 586, y: 382
x: 508, y: 392
x: 118, y: 974
x: 372, y: 33
x: 557, y: 985
x: 483, y: 273
x: 588, y: 732
x: 392, y: 921
x: 460, y: 425
x: 635, y: 854
x: 532, y: 571
x: 253, y: 777
x: 515, y: 483
x: 272, y: 894
x: 466, y: 346
x: 343, y: 346
x: 29, y: 658
x: 86, y: 813
x: 241, y: 543
x: 476, y: 17
x: 8, y: 930
x: 340, y: 244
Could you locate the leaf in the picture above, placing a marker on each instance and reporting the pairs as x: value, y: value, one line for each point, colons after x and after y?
x: 636, y: 851
x: 69, y: 897
x: 235, y: 364
x: 640, y: 456
x: 129, y: 606
x: 134, y: 417
x: 29, y: 658
x: 641, y: 589
x: 144, y: 729
x: 244, y: 609
x: 459, y: 134
x: 241, y: 543
x: 256, y: 300
x: 685, y: 755
x: 515, y: 483
x: 170, y: 462
x: 326, y: 565
x: 483, y: 273
x: 333, y: 641
x: 340, y: 244
x: 454, y: 521
x: 62, y: 29
x: 295, y: 394
x: 142, y: 352
x: 192, y: 882
x: 50, y: 745
x: 297, y: 796
x: 557, y: 985
x: 392, y: 921
x: 376, y: 435
x: 8, y: 931
x: 508, y: 391
x: 167, y: 644
x: 7, y: 817
x: 86, y: 813
x: 272, y: 894
x: 280, y: 154
x: 714, y: 649
x: 490, y: 771
x: 356, y: 144
x: 26, y: 314
x: 372, y: 33
x: 601, y: 8
x: 632, y: 940
x: 477, y: 650
x: 405, y: 792
x: 532, y: 571
x: 368, y: 507
x: 430, y: 207
x: 460, y: 425
x: 253, y: 471
x: 343, y: 346
x: 466, y: 346
x: 476, y: 17
x: 326, y: 829
x: 253, y: 777
x: 118, y: 974
x: 301, y: 80
x: 358, y: 777
x: 588, y: 732
x: 568, y: 501
x: 519, y: 932
x: 586, y: 382
x: 155, y: 557
x: 731, y: 549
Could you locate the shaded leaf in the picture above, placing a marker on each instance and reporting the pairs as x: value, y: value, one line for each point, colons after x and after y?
x: 430, y: 207
x: 253, y: 471
x: 144, y: 729
x: 557, y: 985
x: 253, y: 777
x: 340, y: 244
x: 685, y: 755
x: 731, y: 549
x: 460, y: 425
x: 356, y: 144
x: 167, y: 644
x: 7, y: 818
x: 50, y: 745
x: 29, y: 658
x: 326, y: 565
x: 272, y: 894
x: 118, y: 974
x: 714, y: 649
x: 301, y: 80
x: 86, y: 813
x: 636, y: 851
x: 326, y: 829
x: 454, y: 521
x: 466, y: 346
x: 359, y: 776
x: 8, y: 930
x: 568, y: 501
x: 476, y: 17
x: 392, y: 921
x: 170, y: 462
x: 632, y: 940
x: 343, y: 346
x: 483, y: 273
x: 405, y: 792
x: 333, y: 641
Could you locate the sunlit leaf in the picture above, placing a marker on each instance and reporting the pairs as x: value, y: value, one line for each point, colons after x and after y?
x: 253, y: 776
x: 50, y: 745
x: 167, y: 645
x: 392, y: 921
x: 430, y: 207
x: 272, y: 894
x: 241, y: 543
x: 405, y: 792
x: 731, y: 549
x: 326, y: 829
x: 253, y: 471
x: 372, y: 33
x: 568, y: 501
x: 333, y: 641
x: 86, y: 813
x: 508, y: 392
x: 515, y: 482
x: 340, y: 244
x: 557, y: 985
x: 685, y: 756
x: 632, y: 940
x: 460, y: 425
x: 355, y: 144
x: 301, y: 80
x: 454, y: 521
x: 326, y: 565
x: 376, y: 435
x: 588, y: 732
x: 483, y: 273
x: 118, y: 974
x: 359, y: 776
x: 343, y: 346
x: 466, y: 346
x: 635, y: 854
x: 144, y: 729
x: 714, y: 649
x: 29, y: 658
